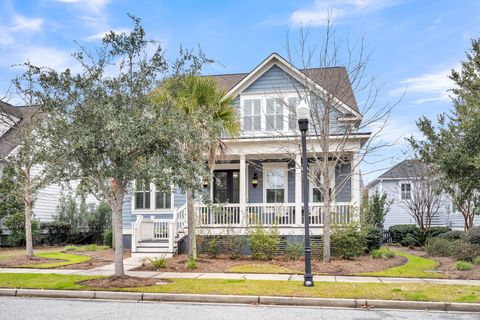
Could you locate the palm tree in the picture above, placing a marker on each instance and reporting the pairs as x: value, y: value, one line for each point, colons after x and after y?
x: 190, y: 93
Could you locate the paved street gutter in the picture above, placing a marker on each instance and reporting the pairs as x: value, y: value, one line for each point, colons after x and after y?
x: 262, y: 300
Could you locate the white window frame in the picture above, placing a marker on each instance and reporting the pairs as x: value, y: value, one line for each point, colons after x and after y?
x: 252, y: 115
x: 172, y: 197
x: 332, y: 182
x: 263, y: 96
x: 275, y: 166
x: 400, y: 183
x: 153, y: 197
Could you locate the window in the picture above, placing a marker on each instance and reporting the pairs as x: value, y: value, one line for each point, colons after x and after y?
x: 142, y: 194
x: 275, y: 184
x: 274, y: 114
x: 405, y: 191
x: 163, y: 200
x: 252, y: 116
x: 315, y: 192
x: 292, y: 113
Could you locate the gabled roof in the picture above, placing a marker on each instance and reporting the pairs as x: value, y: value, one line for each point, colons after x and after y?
x: 407, y: 169
x: 329, y: 80
x: 11, y: 138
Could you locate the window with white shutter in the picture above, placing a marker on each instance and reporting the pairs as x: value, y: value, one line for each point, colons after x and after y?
x: 274, y: 115
x: 252, y: 116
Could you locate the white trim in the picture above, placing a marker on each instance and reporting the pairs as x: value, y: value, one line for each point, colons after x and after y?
x: 400, y: 182
x: 275, y: 59
x: 275, y: 165
x: 153, y: 196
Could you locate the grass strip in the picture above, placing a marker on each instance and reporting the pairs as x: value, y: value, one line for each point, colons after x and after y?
x: 260, y: 268
x: 415, y: 267
x: 68, y: 259
x: 389, y: 291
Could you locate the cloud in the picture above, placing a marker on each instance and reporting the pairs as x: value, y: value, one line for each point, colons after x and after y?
x: 318, y: 13
x: 430, y: 87
x: 99, y: 36
x: 20, y: 24
x: 95, y: 6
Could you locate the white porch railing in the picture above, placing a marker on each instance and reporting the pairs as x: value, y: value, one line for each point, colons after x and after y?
x: 270, y: 213
x: 217, y: 215
x: 340, y: 213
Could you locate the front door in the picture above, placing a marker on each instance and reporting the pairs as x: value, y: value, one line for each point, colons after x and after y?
x: 226, y: 186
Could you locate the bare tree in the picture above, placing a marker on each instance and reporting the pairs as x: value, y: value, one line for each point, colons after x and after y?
x: 422, y: 196
x: 342, y: 134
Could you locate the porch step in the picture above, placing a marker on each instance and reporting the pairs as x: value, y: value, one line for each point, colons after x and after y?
x: 153, y: 243
x: 154, y: 249
x: 151, y: 255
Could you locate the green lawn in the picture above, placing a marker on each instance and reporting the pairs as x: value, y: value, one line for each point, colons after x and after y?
x: 414, y: 268
x: 389, y: 291
x: 68, y: 259
x: 260, y: 268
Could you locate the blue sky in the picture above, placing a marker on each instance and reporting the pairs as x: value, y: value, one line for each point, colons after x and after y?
x: 414, y: 44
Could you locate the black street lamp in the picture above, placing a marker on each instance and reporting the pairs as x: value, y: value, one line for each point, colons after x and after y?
x: 303, y: 115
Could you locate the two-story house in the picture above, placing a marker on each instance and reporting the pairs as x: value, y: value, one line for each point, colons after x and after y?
x: 259, y: 180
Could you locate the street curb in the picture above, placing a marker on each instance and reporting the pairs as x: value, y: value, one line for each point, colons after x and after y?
x: 260, y: 300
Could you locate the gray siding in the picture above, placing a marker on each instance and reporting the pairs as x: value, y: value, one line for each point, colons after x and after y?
x: 128, y: 217
x: 273, y: 80
x: 291, y: 182
x: 179, y: 198
x: 344, y: 182
x: 255, y: 195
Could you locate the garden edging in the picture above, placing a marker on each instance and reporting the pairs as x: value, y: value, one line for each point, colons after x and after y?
x: 262, y: 300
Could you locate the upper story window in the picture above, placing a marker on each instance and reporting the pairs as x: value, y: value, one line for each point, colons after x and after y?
x: 274, y: 114
x: 405, y: 191
x: 163, y: 200
x: 292, y: 113
x: 142, y: 194
x: 252, y: 115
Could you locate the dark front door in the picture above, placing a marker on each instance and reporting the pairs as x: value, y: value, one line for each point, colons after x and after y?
x: 226, y: 186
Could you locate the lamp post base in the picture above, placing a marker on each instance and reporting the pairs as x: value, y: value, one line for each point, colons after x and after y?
x: 308, y: 280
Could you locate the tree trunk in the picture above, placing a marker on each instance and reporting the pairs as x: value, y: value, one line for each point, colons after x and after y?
x: 192, y: 226
x: 326, y: 218
x: 27, y: 198
x: 117, y: 202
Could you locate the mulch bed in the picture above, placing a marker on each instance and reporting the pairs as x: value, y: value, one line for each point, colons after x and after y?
x: 99, y: 258
x: 121, y: 282
x: 335, y: 267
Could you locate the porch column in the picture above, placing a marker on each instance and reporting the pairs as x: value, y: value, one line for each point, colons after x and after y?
x: 356, y: 192
x: 243, y: 189
x: 298, y: 189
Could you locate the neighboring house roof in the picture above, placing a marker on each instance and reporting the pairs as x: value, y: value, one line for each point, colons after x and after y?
x: 333, y: 79
x: 407, y: 169
x: 11, y: 138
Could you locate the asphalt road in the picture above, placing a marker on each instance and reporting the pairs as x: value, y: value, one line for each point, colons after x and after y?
x: 39, y: 308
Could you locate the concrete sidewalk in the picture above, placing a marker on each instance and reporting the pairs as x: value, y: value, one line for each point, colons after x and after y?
x: 132, y: 263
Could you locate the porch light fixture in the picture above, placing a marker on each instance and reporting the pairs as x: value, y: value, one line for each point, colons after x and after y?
x: 255, y: 180
x: 303, y: 115
x: 205, y: 183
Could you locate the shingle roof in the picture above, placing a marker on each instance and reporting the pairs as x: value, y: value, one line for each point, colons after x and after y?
x: 10, y: 139
x: 335, y: 80
x: 405, y: 169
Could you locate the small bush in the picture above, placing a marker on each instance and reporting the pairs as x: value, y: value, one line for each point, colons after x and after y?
x: 465, y: 251
x: 383, y: 253
x: 293, y: 251
x: 234, y: 246
x: 463, y: 266
x: 264, y: 243
x: 90, y: 247
x: 348, y: 242
x: 191, y: 264
x: 108, y: 238
x: 473, y: 235
x: 159, y: 263
x: 436, y: 231
x: 439, y: 247
x: 71, y: 248
x: 213, y: 248
x: 16, y: 224
x: 476, y: 260
x: 400, y: 232
x: 452, y: 235
x: 373, y: 237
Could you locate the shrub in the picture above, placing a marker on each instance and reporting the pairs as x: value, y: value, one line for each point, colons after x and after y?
x: 463, y: 266
x: 57, y: 232
x: 348, y: 242
x: 159, y: 263
x: 108, y: 238
x: 473, y: 235
x: 452, y: 235
x: 439, y: 247
x: 71, y: 248
x: 465, y: 251
x: 373, y: 237
x: 293, y: 251
x: 476, y: 260
x: 90, y: 247
x: 16, y: 224
x: 98, y: 220
x: 233, y: 245
x: 263, y: 243
x: 316, y: 249
x: 191, y: 264
x: 383, y: 253
x: 400, y: 232
x: 436, y: 231
x: 213, y: 248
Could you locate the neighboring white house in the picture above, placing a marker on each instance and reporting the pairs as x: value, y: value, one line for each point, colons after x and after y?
x: 260, y: 179
x: 398, y: 183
